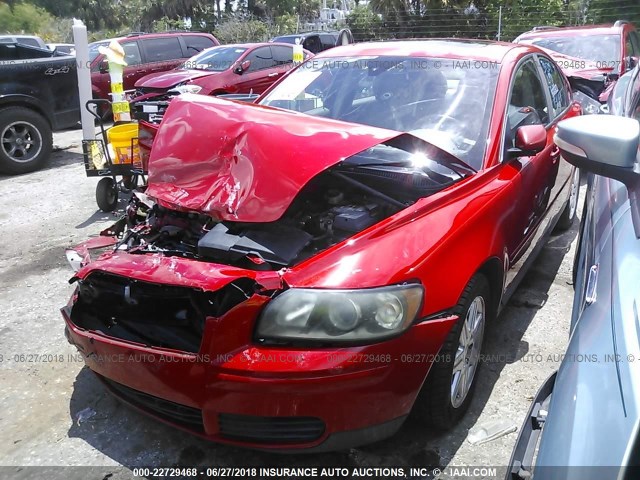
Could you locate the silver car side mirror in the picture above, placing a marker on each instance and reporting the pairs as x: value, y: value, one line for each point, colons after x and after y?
x: 605, y: 145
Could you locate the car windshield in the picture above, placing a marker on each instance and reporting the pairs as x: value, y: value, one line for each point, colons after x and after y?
x: 216, y: 59
x: 93, y: 49
x: 603, y: 49
x: 442, y: 101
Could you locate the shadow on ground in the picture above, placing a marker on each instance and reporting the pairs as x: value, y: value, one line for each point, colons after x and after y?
x: 131, y: 439
x: 100, y: 216
x: 59, y: 158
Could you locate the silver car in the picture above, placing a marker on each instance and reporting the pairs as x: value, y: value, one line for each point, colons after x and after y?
x: 586, y: 418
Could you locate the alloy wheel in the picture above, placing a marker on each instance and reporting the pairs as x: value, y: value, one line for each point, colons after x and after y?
x: 21, y: 141
x: 467, y: 355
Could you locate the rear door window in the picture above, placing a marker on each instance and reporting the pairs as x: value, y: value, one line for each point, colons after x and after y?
x: 196, y: 43
x: 635, y: 42
x: 131, y: 53
x: 260, y: 59
x: 162, y: 49
x: 313, y: 44
x: 328, y: 40
x: 633, y: 90
x: 32, y: 42
x: 630, y: 47
x: 282, y: 55
x: 558, y: 90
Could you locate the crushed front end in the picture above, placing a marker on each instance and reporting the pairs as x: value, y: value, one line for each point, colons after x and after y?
x: 192, y: 318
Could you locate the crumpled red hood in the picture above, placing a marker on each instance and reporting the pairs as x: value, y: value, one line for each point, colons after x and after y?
x: 242, y: 162
x: 171, y: 78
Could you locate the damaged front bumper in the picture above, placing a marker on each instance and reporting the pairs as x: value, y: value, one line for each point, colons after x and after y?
x: 231, y: 389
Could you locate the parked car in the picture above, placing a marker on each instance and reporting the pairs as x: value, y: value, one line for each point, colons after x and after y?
x: 317, y: 42
x: 314, y: 267
x: 145, y: 54
x: 240, y: 68
x: 586, y: 418
x: 31, y: 40
x: 592, y: 56
x: 37, y: 96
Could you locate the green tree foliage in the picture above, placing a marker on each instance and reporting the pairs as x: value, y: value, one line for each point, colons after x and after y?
x: 304, y: 9
x: 23, y: 18
x: 521, y: 15
x: 242, y: 30
x: 365, y: 24
x: 607, y: 11
x: 243, y: 20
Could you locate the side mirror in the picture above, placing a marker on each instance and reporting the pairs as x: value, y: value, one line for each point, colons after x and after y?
x: 104, y: 66
x: 605, y: 145
x: 530, y: 140
x: 243, y: 67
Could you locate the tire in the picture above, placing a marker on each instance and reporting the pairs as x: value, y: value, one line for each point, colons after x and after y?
x: 107, y: 194
x: 568, y: 214
x: 25, y: 140
x: 435, y: 404
x: 344, y: 37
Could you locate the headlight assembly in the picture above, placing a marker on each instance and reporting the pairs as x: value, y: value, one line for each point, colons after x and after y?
x: 182, y: 88
x: 340, y: 316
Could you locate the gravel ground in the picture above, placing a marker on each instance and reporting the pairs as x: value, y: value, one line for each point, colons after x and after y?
x: 55, y: 413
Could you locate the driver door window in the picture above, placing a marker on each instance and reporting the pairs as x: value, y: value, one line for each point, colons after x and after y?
x: 527, y: 103
x: 559, y: 91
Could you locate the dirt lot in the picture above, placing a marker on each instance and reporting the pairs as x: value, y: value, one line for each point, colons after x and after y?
x: 55, y: 413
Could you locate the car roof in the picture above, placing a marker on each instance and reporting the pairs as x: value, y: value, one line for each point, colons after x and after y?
x: 437, y: 48
x: 304, y: 34
x: 253, y: 45
x: 571, y: 31
x: 151, y: 35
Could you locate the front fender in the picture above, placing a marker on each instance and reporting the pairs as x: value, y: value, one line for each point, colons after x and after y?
x: 441, y: 240
x: 22, y: 99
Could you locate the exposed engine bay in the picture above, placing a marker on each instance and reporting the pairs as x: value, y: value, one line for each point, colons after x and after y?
x: 335, y: 205
x: 309, y: 227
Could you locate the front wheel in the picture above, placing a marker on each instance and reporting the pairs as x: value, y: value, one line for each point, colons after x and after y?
x: 447, y: 392
x: 25, y: 140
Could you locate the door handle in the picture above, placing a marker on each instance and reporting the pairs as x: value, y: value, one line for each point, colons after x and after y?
x: 274, y: 74
x: 592, y: 283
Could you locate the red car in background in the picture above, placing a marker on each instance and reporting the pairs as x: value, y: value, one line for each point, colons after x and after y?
x: 592, y: 56
x: 238, y: 68
x: 145, y: 54
x: 304, y: 272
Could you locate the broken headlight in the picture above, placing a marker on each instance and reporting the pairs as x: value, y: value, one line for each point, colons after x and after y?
x: 364, y: 315
x: 74, y: 259
x: 180, y: 89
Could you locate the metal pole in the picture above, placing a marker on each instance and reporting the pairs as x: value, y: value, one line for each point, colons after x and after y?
x: 500, y: 23
x: 84, y: 77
